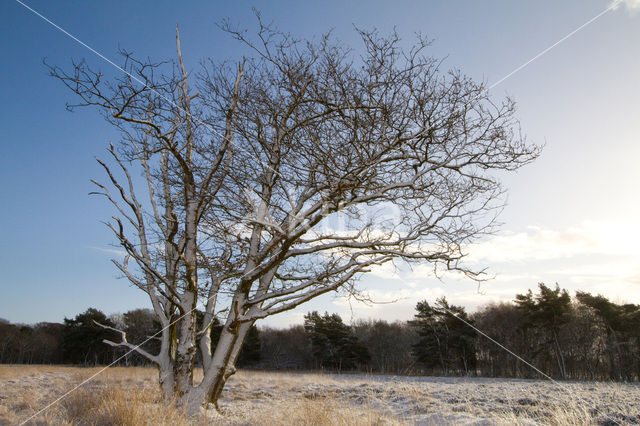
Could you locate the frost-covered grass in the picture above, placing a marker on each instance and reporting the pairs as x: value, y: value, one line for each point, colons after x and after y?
x: 129, y: 396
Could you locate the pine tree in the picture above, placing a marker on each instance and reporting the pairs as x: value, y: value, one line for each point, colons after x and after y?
x: 622, y: 325
x: 546, y: 313
x: 445, y: 341
x: 333, y: 343
x: 83, y: 339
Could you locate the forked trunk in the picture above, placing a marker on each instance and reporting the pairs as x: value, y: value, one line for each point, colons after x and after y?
x: 222, y: 365
x: 176, y: 376
x: 229, y: 369
x: 176, y: 359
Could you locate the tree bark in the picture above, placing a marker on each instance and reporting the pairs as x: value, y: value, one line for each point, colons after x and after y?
x: 185, y: 355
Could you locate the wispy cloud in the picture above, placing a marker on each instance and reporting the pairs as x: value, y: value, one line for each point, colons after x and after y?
x: 117, y: 252
x: 594, y: 256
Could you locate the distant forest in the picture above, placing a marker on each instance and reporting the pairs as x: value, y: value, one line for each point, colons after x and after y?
x: 585, y: 337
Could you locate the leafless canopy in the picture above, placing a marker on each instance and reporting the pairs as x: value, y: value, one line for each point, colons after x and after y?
x: 288, y: 176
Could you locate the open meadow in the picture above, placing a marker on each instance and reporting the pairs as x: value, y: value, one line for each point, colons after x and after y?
x: 129, y: 396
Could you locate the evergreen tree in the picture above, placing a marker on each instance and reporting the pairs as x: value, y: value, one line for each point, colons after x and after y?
x: 82, y: 338
x: 622, y: 325
x: 250, y: 354
x: 445, y: 342
x: 333, y: 343
x: 546, y: 313
x: 140, y: 324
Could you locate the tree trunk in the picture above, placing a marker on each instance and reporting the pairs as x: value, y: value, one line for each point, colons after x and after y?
x: 176, y: 366
x: 219, y: 369
x: 560, y: 357
x: 166, y: 379
x: 185, y: 353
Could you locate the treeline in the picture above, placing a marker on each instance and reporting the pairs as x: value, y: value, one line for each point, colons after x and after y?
x: 80, y: 340
x: 584, y: 337
x: 76, y: 341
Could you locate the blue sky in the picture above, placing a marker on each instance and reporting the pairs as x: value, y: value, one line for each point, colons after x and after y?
x: 572, y: 217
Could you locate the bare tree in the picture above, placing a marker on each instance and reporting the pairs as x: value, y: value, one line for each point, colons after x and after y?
x: 287, y: 177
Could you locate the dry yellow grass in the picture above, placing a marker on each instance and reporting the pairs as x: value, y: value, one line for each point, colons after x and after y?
x: 129, y: 396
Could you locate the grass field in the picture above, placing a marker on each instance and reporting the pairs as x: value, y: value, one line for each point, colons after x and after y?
x: 129, y: 396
